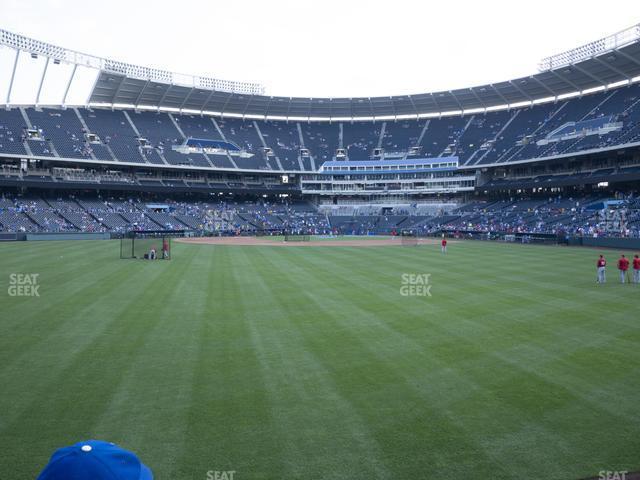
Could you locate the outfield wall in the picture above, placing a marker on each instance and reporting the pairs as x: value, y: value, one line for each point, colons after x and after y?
x: 12, y: 237
x: 622, y: 243
x: 67, y: 236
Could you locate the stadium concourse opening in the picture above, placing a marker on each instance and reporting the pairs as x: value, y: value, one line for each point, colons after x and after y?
x: 148, y: 244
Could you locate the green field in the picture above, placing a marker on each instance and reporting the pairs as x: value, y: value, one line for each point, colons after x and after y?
x: 308, y: 363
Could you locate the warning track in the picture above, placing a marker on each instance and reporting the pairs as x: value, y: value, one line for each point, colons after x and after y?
x: 272, y: 242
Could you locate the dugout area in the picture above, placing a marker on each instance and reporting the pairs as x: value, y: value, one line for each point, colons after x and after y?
x: 150, y: 245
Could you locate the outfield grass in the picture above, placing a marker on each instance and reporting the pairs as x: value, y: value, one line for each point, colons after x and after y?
x: 282, y: 363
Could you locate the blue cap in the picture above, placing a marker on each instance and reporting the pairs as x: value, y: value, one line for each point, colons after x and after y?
x: 95, y: 460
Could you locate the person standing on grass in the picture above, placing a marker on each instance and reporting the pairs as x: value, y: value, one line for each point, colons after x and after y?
x: 165, y: 249
x: 443, y: 244
x: 636, y: 269
x: 623, y: 266
x: 601, y: 266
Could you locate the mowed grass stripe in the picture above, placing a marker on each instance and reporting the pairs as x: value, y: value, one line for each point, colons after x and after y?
x: 39, y: 345
x: 59, y: 270
x: 157, y: 386
x: 76, y: 395
x: 445, y: 447
x: 370, y: 377
x: 68, y: 298
x: 325, y: 435
x: 354, y: 293
x: 228, y: 424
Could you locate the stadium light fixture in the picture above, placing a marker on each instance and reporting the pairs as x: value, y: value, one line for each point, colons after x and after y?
x: 591, y: 49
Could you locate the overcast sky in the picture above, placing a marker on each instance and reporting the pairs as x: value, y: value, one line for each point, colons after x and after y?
x: 326, y: 48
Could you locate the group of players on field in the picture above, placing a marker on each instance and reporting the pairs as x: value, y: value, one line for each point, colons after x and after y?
x: 623, y: 267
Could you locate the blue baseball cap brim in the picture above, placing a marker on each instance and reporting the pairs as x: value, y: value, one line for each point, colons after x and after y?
x: 145, y: 472
x: 95, y: 460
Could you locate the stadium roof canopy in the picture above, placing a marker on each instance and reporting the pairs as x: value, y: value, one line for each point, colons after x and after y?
x: 604, y: 63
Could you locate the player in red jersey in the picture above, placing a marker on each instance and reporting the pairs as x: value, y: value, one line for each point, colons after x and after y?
x: 165, y: 249
x: 443, y: 244
x: 623, y: 266
x: 600, y: 265
x: 636, y: 269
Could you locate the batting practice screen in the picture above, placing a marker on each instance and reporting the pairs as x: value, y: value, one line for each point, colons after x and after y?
x: 409, y: 238
x: 146, y: 247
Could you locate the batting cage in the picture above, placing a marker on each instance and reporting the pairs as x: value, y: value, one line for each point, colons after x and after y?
x: 409, y: 238
x: 147, y: 245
